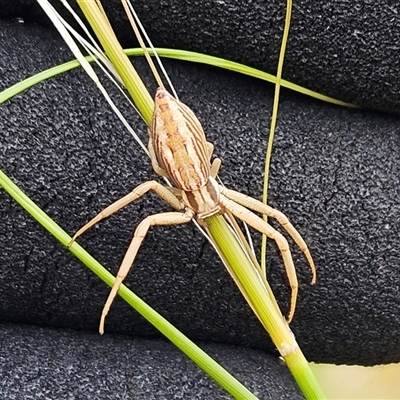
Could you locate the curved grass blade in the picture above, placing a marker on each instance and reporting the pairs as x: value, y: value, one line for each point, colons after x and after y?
x: 183, y: 55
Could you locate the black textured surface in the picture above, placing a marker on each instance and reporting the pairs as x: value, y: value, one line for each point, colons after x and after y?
x: 52, y: 364
x: 335, y: 173
x: 347, y: 49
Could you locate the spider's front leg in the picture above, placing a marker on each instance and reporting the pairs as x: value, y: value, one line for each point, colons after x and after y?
x: 171, y: 218
x: 136, y: 193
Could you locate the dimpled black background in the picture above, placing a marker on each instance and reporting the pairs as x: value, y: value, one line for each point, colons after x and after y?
x: 334, y: 173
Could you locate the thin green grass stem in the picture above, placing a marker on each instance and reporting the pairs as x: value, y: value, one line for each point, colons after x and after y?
x: 271, y: 136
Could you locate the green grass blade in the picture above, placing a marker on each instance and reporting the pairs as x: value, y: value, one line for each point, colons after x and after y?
x: 173, y: 54
x: 204, y: 361
x: 240, y: 68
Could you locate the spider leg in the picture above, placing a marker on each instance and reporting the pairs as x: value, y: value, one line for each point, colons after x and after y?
x: 257, y: 223
x: 139, y: 191
x: 170, y: 218
x: 262, y: 208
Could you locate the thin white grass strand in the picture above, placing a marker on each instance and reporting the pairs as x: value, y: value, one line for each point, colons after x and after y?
x: 95, y: 52
x: 102, y: 61
x: 59, y: 22
x: 82, y: 25
x: 249, y: 239
x: 55, y: 19
x: 146, y: 36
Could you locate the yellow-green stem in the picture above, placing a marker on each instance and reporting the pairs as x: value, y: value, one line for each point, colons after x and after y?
x: 134, y: 84
x: 256, y: 293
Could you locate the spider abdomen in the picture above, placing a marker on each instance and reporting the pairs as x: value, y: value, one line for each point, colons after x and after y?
x: 179, y: 143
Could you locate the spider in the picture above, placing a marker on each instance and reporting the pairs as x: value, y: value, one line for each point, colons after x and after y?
x: 180, y: 152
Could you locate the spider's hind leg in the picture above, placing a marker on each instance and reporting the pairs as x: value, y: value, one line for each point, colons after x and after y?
x: 257, y: 223
x: 265, y: 209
